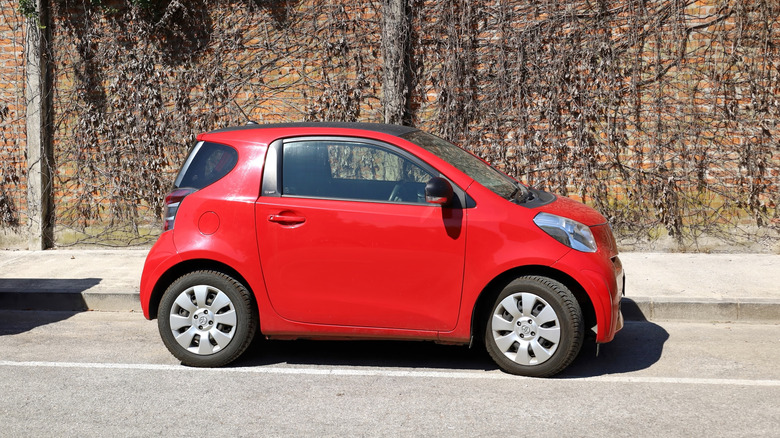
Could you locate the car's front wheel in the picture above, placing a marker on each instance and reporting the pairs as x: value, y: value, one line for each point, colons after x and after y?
x: 535, y: 327
x: 206, y: 319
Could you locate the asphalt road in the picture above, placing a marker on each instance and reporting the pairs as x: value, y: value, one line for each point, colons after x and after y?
x: 108, y: 374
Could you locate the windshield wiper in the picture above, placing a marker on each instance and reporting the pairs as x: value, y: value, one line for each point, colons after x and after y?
x: 525, y: 194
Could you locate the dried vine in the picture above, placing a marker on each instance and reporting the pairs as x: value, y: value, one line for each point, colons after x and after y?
x: 130, y: 102
x: 663, y: 114
x: 659, y: 113
x: 12, y: 158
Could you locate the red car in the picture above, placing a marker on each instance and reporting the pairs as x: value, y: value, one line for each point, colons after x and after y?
x: 351, y: 230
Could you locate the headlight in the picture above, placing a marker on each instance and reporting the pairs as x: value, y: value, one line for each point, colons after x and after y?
x: 569, y: 232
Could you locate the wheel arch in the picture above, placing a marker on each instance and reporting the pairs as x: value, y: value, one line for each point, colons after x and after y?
x: 488, y: 295
x: 194, y: 265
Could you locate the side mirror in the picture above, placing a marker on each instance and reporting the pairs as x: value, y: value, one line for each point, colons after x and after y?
x: 438, y: 191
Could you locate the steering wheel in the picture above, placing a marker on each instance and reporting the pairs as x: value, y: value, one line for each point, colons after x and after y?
x: 394, y: 195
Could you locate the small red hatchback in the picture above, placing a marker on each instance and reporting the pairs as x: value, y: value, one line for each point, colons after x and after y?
x: 351, y: 230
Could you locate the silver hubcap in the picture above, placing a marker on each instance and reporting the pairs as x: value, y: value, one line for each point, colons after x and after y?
x: 203, y: 320
x: 526, y: 328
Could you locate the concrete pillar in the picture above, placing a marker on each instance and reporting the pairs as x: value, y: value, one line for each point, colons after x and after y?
x: 40, y: 207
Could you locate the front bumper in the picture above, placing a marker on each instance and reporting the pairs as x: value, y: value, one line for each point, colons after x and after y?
x: 602, y: 278
x: 620, y: 281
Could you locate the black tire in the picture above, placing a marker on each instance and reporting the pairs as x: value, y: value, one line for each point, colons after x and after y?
x: 534, y: 328
x: 211, y: 314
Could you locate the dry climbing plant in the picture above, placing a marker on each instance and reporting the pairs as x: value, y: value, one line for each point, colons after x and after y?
x: 661, y: 114
x: 12, y: 157
x: 136, y: 83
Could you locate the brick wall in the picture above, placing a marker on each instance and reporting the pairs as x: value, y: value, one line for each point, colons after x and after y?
x: 13, y: 166
x: 662, y: 114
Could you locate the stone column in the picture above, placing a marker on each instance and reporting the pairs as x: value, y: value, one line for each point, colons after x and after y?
x: 40, y: 206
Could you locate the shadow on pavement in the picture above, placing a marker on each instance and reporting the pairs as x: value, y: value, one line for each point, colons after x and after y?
x: 14, y: 322
x: 638, y: 346
x: 631, y: 310
x: 62, y: 294
x: 393, y: 354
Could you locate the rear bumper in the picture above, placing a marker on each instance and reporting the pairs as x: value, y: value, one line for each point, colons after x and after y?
x: 161, y: 257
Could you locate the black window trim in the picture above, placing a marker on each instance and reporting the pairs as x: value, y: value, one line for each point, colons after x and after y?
x: 272, y: 171
x: 190, y: 157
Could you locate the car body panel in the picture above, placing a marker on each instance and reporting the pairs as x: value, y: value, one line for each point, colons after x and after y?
x: 365, y: 264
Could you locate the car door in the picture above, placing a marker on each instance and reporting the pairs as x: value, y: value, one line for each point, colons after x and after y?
x: 346, y: 237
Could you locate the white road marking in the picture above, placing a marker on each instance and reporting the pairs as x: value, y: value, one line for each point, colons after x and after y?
x: 485, y: 375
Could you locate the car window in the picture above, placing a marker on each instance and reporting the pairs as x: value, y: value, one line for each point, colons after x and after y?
x: 207, y: 163
x: 351, y: 170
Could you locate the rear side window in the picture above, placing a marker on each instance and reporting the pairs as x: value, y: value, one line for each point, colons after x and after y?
x: 207, y: 163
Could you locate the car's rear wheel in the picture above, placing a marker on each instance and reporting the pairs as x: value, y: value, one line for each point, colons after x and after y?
x: 535, y: 327
x: 206, y: 319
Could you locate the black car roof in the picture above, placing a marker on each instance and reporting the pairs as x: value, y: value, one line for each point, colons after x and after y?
x: 396, y: 130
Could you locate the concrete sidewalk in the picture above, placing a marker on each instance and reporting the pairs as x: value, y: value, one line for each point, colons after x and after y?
x: 106, y: 280
x: 659, y: 286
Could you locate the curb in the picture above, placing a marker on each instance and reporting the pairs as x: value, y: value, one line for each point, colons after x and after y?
x: 634, y: 308
x: 701, y: 309
x: 70, y: 301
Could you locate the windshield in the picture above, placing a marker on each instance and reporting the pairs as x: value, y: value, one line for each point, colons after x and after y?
x: 469, y: 164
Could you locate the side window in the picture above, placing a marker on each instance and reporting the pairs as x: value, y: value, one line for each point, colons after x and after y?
x: 305, y: 169
x: 207, y: 163
x: 350, y: 170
